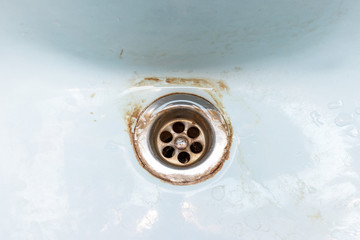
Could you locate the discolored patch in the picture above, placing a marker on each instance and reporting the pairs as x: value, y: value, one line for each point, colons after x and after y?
x: 149, y: 81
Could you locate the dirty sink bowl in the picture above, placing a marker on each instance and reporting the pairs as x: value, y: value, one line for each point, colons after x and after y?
x: 285, y: 72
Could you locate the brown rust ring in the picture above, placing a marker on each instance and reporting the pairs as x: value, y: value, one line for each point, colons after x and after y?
x: 193, y: 173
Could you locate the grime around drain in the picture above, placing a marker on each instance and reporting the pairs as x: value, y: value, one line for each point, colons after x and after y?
x: 183, y: 145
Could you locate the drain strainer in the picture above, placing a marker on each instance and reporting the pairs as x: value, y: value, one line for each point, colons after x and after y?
x: 182, y: 139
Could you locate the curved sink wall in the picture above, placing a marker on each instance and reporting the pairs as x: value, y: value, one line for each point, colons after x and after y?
x: 71, y: 70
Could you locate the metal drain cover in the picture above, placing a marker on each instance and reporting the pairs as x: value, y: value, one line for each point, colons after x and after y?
x: 182, y: 139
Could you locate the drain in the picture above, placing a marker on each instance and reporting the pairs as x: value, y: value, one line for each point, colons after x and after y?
x: 181, y: 138
x: 186, y: 134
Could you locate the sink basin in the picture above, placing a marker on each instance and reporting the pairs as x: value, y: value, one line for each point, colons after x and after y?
x: 74, y: 74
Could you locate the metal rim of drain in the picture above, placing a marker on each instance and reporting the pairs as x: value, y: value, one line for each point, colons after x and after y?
x: 181, y: 138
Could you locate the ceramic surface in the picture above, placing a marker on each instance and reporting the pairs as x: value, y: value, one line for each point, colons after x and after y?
x: 68, y: 74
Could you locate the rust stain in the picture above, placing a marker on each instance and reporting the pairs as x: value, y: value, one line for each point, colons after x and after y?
x: 223, y: 86
x: 218, y: 86
x: 208, y: 85
x: 132, y: 115
x: 152, y: 79
x: 195, y: 82
x: 92, y: 95
x: 214, y: 88
x: 92, y: 113
x: 149, y: 81
x: 317, y: 215
x: 302, y: 195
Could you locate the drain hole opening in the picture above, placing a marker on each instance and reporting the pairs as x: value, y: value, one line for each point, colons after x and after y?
x: 196, y: 147
x: 166, y: 137
x: 178, y: 127
x: 193, y: 132
x: 175, y: 131
x: 168, y: 152
x: 184, y: 157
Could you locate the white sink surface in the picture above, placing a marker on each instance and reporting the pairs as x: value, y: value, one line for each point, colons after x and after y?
x: 67, y: 81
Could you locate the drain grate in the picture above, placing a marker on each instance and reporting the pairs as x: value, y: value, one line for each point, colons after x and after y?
x: 184, y: 138
x: 181, y: 138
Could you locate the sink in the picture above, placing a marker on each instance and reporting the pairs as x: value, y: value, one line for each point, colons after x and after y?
x: 76, y: 74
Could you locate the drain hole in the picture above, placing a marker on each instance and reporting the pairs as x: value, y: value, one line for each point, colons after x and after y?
x: 178, y: 127
x: 181, y: 138
x: 166, y: 137
x: 193, y: 132
x: 168, y: 152
x: 196, y: 147
x: 184, y: 157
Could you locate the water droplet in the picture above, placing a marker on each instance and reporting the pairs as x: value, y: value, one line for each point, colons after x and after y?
x: 112, y: 145
x: 237, y: 228
x: 218, y: 193
x: 315, y: 116
x: 252, y: 223
x: 316, y: 159
x: 311, y: 189
x: 357, y: 203
x: 357, y: 110
x: 343, y: 119
x: 335, y: 104
x: 353, y: 132
x: 339, y: 235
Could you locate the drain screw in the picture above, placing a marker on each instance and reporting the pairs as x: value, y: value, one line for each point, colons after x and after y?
x: 181, y: 143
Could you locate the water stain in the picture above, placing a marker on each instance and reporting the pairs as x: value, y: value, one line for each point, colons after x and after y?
x: 316, y: 215
x: 335, y: 104
x: 218, y: 86
x: 356, y: 203
x: 218, y: 192
x: 315, y: 116
x: 252, y: 222
x: 215, y: 88
x: 223, y: 86
x: 150, y: 81
x: 131, y: 115
x: 343, y: 119
x: 357, y: 110
x: 353, y: 132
